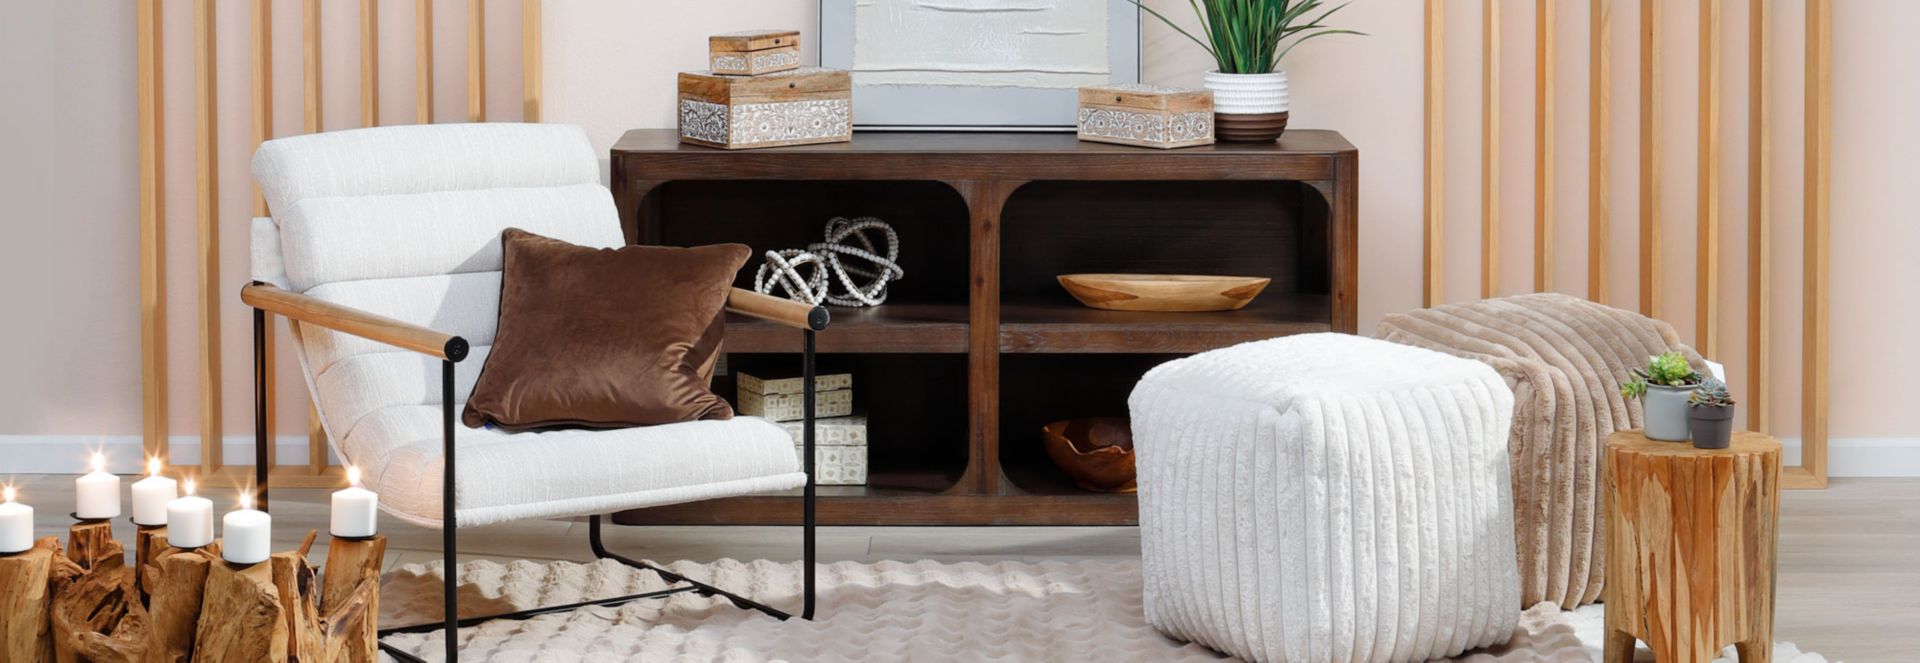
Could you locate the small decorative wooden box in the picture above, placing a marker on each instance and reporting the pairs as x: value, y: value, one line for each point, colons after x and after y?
x: 788, y: 407
x: 828, y: 382
x: 839, y: 449
x: 754, y: 52
x: 795, y: 107
x: 1146, y: 115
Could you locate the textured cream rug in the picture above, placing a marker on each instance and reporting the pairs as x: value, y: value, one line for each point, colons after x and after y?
x: 890, y: 611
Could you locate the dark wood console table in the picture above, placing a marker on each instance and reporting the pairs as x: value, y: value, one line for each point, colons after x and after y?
x: 979, y: 347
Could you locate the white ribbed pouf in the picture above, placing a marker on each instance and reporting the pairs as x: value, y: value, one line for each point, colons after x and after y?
x: 1327, y: 497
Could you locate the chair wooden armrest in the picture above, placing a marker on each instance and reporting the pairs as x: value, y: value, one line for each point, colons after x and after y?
x: 774, y: 309
x: 349, y: 320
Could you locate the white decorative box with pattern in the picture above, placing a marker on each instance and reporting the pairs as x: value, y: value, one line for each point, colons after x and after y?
x: 795, y: 107
x: 1146, y: 115
x: 839, y: 449
x: 753, y: 52
x: 827, y: 382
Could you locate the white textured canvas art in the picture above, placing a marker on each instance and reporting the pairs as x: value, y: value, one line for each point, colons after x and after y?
x: 1040, y: 44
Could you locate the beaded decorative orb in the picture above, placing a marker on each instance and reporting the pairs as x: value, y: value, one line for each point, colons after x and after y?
x: 848, y: 269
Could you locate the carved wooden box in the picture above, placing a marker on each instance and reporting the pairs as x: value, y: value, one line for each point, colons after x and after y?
x: 794, y: 107
x: 1146, y: 115
x: 754, y: 52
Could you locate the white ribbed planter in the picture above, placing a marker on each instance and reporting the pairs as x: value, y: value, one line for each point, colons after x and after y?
x: 1248, y: 94
x: 1249, y: 107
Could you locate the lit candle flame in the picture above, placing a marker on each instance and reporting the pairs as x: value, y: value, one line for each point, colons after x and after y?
x: 189, y: 486
x: 99, y: 462
x: 8, y: 493
x: 353, y: 475
x: 153, y: 466
x: 246, y: 500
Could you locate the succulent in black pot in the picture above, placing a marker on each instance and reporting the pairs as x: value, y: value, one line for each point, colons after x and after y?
x: 1710, y: 415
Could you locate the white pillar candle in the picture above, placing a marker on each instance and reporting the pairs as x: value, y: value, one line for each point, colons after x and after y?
x: 246, y: 535
x: 97, y: 495
x: 190, y: 520
x: 16, y: 525
x: 152, y: 495
x: 356, y: 510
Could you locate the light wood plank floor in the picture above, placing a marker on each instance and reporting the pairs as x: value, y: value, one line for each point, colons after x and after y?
x: 1849, y: 585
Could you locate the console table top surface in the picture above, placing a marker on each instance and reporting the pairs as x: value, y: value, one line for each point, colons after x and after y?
x: 1296, y: 142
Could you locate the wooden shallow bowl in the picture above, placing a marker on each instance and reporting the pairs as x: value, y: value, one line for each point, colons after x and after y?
x: 1096, y: 452
x: 1163, y: 292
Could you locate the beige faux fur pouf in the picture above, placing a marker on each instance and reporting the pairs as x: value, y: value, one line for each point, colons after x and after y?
x: 1564, y: 357
x: 888, y: 611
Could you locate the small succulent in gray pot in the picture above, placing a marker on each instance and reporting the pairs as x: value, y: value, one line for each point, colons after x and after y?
x: 1710, y: 415
x: 1665, y: 384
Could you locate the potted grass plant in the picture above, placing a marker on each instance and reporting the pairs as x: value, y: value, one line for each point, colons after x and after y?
x: 1710, y: 415
x: 1664, y: 385
x: 1248, y: 39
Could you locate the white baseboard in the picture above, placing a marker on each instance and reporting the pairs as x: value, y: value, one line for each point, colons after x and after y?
x: 1863, y: 456
x: 67, y: 454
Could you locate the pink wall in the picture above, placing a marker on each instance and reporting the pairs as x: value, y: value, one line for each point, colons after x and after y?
x: 67, y: 178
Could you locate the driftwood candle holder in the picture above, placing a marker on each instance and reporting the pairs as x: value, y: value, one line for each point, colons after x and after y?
x: 175, y: 605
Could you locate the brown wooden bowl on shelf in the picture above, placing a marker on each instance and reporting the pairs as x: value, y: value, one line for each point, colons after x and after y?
x: 1096, y: 452
x: 1163, y: 292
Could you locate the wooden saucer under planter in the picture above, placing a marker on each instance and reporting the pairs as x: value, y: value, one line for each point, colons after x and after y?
x: 1096, y: 452
x: 1249, y: 128
x: 1163, y: 292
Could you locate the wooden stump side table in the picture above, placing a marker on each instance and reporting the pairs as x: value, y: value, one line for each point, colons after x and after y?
x: 1690, y: 536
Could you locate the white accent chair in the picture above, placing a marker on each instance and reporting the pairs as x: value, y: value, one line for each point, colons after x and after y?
x: 384, y: 253
x: 1326, y: 497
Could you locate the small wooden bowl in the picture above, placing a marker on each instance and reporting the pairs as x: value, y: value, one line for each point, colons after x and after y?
x: 1096, y: 452
x: 1163, y: 292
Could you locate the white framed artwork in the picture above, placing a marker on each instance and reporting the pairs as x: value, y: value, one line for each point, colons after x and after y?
x: 977, y: 64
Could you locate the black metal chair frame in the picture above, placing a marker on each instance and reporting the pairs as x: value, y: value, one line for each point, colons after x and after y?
x: 457, y: 351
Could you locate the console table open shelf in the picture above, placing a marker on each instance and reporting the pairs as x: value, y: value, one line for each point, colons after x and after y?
x: 979, y: 346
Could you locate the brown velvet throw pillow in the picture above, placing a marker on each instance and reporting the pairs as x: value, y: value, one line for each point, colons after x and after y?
x: 604, y: 338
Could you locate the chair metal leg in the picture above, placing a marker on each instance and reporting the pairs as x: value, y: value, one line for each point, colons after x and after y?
x: 260, y: 441
x: 806, y: 507
x: 448, y: 527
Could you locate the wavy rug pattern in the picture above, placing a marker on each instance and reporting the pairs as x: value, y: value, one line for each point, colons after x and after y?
x: 888, y: 611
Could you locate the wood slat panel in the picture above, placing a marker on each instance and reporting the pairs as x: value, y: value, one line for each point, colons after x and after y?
x: 310, y: 46
x: 369, y: 63
x: 1707, y: 280
x: 423, y: 61
x: 1649, y: 158
x: 1490, y: 149
x: 207, y: 186
x: 476, y: 61
x: 1543, y: 83
x: 1759, y: 217
x: 310, y: 54
x: 316, y: 440
x: 1819, y: 176
x: 531, y: 67
x: 263, y: 132
x: 1599, y: 147
x: 262, y: 85
x: 153, y: 291
x: 1798, y: 477
x: 1434, y: 251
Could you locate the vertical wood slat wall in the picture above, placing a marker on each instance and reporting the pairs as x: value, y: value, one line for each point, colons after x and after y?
x: 211, y: 289
x: 1812, y: 472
